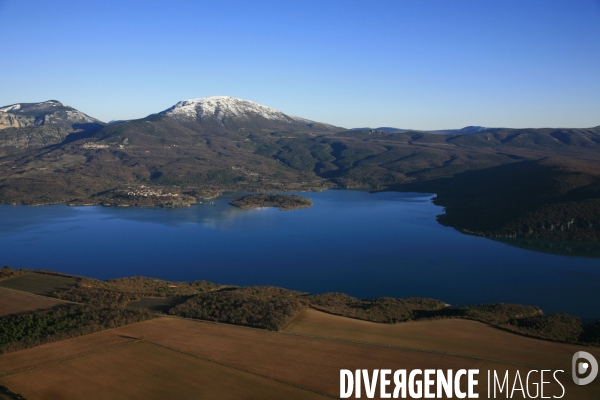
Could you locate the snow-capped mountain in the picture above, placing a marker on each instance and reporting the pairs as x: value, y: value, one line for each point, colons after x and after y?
x: 51, y: 112
x: 224, y: 113
x: 218, y: 122
x: 224, y: 107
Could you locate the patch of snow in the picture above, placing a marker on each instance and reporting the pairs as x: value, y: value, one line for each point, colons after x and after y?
x: 78, y: 116
x: 14, y: 107
x: 227, y: 107
x: 54, y: 103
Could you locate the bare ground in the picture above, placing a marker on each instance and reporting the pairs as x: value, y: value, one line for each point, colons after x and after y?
x: 12, y: 302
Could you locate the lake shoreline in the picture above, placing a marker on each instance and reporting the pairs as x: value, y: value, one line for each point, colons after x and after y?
x: 365, y: 244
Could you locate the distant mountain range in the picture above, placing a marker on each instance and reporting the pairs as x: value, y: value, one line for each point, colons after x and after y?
x: 463, y: 131
x: 50, y: 122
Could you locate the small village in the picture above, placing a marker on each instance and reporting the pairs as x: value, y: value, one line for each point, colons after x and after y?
x: 90, y: 145
x: 145, y: 192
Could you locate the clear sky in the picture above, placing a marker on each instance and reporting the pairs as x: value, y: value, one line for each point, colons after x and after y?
x: 407, y: 64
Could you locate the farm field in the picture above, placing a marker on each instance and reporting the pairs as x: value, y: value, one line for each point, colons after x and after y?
x: 42, y: 284
x: 194, y: 359
x: 146, y: 371
x: 275, y: 357
x: 57, y: 352
x: 502, y: 351
x: 455, y: 336
x: 304, y: 361
x: 12, y: 302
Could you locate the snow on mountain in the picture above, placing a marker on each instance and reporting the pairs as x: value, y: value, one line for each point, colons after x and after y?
x: 45, y: 106
x: 13, y: 108
x: 224, y: 107
x: 35, y: 125
x: 37, y: 114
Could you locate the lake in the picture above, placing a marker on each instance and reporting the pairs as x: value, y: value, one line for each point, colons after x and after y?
x: 365, y: 245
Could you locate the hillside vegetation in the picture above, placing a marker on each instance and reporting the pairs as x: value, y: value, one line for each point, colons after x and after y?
x: 150, y: 287
x: 258, y: 306
x: 384, y: 309
x: 528, y: 199
x: 34, y: 328
x: 505, y: 183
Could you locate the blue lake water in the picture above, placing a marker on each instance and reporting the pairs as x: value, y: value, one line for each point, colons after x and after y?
x: 366, y: 245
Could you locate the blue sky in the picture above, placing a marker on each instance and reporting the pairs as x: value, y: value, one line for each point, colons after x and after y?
x: 408, y: 64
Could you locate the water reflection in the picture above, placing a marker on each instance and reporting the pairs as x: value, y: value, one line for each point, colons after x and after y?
x: 559, y: 247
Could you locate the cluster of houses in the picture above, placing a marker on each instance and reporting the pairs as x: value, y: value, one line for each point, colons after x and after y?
x: 145, y: 192
x: 91, y: 145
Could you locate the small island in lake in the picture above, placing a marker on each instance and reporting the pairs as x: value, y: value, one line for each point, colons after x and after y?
x: 282, y: 201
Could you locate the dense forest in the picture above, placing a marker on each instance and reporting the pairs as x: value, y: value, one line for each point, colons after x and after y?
x: 34, y: 328
x: 260, y: 307
x: 384, y: 309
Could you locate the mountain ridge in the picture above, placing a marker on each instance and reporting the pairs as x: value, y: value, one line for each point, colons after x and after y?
x: 221, y: 107
x: 25, y: 126
x: 471, y: 129
x: 44, y: 113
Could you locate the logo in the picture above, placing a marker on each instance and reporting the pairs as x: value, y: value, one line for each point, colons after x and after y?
x: 581, y: 368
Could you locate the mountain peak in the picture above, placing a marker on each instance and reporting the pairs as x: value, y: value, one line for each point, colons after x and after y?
x: 44, y: 106
x: 49, y: 113
x: 225, y: 107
